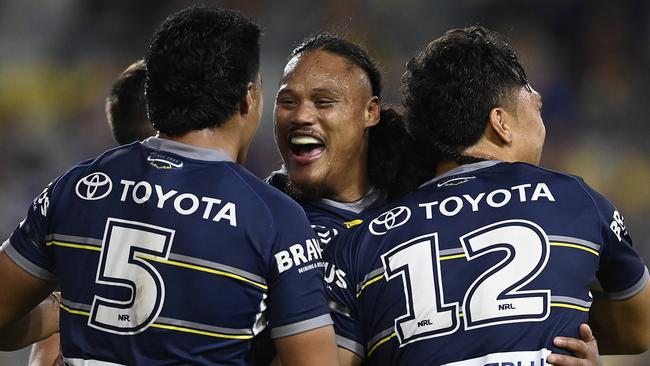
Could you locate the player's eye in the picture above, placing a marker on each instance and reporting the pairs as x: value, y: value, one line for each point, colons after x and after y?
x: 324, y: 102
x: 286, y: 102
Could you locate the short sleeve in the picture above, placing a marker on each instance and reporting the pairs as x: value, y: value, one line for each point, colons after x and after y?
x: 27, y: 246
x: 341, y: 292
x: 296, y: 300
x: 622, y: 272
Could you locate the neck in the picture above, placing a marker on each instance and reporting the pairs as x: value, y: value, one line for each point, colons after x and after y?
x: 353, y: 184
x: 222, y: 138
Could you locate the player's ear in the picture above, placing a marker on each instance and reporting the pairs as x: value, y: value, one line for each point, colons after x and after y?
x: 499, y: 122
x: 247, y: 102
x: 372, y: 112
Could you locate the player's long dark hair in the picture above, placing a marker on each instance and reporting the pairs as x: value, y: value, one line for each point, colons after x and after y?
x: 388, y: 144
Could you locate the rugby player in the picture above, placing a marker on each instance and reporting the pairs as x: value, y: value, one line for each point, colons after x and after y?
x: 491, y: 260
x: 341, y: 150
x: 151, y: 243
x: 126, y: 109
x: 126, y: 114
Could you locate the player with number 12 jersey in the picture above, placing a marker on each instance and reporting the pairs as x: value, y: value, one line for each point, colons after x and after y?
x: 482, y: 265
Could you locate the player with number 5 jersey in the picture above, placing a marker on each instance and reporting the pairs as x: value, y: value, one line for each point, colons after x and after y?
x: 168, y: 251
x: 490, y: 260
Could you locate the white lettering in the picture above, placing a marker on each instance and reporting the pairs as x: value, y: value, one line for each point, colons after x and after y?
x: 542, y: 190
x: 493, y: 203
x: 298, y: 253
x: 228, y: 211
x: 428, y: 207
x: 208, y: 207
x: 445, y: 211
x: 284, y: 261
x: 147, y: 192
x: 125, y: 191
x: 184, y: 203
x: 184, y: 211
x: 162, y: 197
x: 313, y: 250
x: 474, y: 201
x: 522, y: 191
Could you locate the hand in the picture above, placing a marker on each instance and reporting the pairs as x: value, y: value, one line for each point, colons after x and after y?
x: 585, y: 350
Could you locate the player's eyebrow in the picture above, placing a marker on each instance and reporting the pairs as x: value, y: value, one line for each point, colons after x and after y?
x: 323, y: 91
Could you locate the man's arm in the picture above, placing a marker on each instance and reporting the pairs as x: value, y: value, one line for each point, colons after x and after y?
x: 22, y: 322
x: 348, y: 358
x: 313, y: 347
x: 622, y: 326
x: 46, y: 352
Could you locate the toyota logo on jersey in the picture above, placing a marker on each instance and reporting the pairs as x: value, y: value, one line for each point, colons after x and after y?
x: 94, y: 186
x: 398, y: 216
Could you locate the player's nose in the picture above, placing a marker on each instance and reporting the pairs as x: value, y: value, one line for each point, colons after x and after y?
x: 303, y: 114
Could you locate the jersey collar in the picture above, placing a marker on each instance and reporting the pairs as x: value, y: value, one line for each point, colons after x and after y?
x: 185, y: 150
x: 462, y: 169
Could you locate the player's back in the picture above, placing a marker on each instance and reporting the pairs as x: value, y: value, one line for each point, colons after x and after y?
x: 166, y: 254
x: 482, y: 266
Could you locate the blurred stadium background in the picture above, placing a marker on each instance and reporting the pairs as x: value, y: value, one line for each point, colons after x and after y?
x: 590, y: 59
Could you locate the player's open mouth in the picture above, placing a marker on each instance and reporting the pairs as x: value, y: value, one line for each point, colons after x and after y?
x: 305, y: 149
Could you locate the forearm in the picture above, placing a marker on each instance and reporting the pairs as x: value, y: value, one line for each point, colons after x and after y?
x: 40, y: 323
x: 45, y: 352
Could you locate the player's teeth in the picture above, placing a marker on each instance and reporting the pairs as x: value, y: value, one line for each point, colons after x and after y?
x: 305, y: 140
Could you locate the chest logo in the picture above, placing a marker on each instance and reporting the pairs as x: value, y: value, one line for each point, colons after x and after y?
x: 94, y: 186
x: 396, y: 217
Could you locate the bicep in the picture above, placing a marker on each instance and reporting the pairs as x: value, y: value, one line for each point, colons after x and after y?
x: 21, y: 290
x: 313, y: 347
x: 621, y: 326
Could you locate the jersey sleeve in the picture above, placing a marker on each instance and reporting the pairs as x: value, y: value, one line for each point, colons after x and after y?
x: 296, y: 297
x: 341, y: 292
x: 622, y: 272
x: 27, y: 245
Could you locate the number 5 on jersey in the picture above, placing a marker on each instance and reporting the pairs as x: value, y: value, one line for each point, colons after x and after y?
x: 493, y: 298
x: 121, y: 264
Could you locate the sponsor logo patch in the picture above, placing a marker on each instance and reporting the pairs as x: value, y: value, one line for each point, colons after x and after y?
x: 396, y: 217
x: 94, y: 186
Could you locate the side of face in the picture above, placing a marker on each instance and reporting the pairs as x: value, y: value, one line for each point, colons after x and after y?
x: 252, y: 117
x: 323, y: 107
x: 525, y: 128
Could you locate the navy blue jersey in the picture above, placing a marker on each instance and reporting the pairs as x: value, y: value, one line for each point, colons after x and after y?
x: 481, y: 266
x: 328, y: 218
x: 170, y: 254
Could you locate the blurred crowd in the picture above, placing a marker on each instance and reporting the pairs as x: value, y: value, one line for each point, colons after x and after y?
x: 590, y: 60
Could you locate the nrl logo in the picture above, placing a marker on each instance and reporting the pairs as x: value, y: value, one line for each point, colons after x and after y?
x: 164, y: 162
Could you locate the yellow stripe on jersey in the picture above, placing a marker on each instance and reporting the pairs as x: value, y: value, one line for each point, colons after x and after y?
x: 73, y: 245
x: 455, y: 256
x: 370, y: 282
x: 352, y: 223
x: 575, y: 246
x: 74, y: 311
x: 380, y: 342
x: 200, y: 332
x: 569, y: 306
x: 203, y: 269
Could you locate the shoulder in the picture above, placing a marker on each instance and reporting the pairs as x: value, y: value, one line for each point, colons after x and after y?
x: 275, y: 200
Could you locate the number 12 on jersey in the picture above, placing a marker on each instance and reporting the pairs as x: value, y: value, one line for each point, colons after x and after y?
x: 493, y: 298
